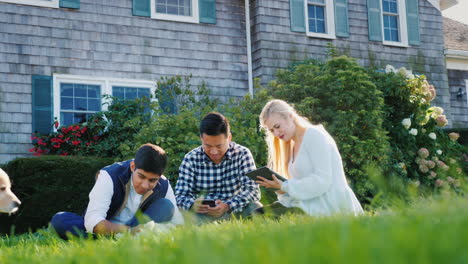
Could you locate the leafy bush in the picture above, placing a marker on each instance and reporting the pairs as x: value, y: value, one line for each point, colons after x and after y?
x: 49, y: 184
x: 340, y: 95
x: 422, y: 153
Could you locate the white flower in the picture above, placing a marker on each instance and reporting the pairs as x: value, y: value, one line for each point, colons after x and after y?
x: 439, y: 152
x: 433, y: 136
x: 413, y: 131
x: 406, y: 123
x: 390, y: 68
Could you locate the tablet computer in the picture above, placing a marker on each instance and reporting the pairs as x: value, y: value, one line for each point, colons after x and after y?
x: 265, y: 173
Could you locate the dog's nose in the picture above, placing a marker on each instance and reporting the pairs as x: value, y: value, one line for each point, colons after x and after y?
x: 16, y: 204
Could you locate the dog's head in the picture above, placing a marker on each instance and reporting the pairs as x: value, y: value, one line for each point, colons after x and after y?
x: 9, y: 203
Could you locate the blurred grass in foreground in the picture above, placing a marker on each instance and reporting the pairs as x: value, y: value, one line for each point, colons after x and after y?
x: 431, y: 230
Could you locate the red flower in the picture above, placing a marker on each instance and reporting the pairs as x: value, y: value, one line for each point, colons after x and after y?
x: 56, y: 124
x: 60, y: 136
x: 96, y: 137
x: 32, y: 149
x: 75, y: 142
x: 83, y: 130
x: 56, y: 145
x: 64, y: 154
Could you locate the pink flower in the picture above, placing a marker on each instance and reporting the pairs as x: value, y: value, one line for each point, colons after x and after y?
x: 450, y: 180
x: 441, y: 120
x: 423, y: 153
x: 453, y: 136
x: 439, y: 182
x: 430, y: 164
x: 432, y: 175
x: 423, y: 168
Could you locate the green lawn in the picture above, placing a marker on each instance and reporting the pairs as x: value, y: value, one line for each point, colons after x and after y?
x: 429, y: 231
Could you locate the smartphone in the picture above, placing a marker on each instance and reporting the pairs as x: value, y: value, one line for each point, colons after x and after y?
x: 209, y: 202
x: 265, y: 173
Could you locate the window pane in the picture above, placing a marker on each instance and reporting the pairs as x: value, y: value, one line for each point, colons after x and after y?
x: 80, y: 90
x: 143, y: 92
x: 94, y: 104
x: 174, y: 7
x: 66, y: 103
x: 66, y: 119
x: 66, y: 89
x: 391, y: 32
x: 118, y: 92
x: 390, y: 6
x: 320, y: 26
x: 79, y: 118
x: 94, y: 91
x: 130, y: 93
x: 80, y: 104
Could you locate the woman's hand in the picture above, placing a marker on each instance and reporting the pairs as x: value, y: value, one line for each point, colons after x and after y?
x: 274, y: 184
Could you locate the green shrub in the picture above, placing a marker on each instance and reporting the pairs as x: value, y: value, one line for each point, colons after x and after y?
x: 340, y: 95
x: 421, y: 153
x: 47, y: 185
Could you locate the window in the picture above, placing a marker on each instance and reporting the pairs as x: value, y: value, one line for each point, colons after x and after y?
x: 129, y: 93
x: 45, y: 3
x: 320, y: 18
x: 78, y: 101
x: 75, y: 98
x: 175, y: 10
x: 394, y: 22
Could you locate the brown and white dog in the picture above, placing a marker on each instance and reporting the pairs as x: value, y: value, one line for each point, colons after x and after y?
x: 9, y: 203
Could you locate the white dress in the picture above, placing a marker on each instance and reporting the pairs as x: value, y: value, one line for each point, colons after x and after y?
x: 318, y: 183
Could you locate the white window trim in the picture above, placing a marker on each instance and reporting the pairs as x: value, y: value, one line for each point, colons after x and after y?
x: 330, y: 21
x: 403, y: 27
x: 189, y: 19
x: 43, y: 3
x: 105, y: 83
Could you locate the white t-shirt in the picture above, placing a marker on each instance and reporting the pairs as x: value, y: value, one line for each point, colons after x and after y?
x: 100, y: 199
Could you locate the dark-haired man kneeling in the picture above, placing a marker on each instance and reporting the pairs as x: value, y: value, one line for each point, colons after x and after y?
x: 122, y: 189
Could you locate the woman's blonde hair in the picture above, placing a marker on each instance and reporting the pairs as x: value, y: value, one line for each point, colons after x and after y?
x: 279, y: 150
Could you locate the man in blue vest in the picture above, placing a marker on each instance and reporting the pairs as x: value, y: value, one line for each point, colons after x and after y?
x: 122, y: 189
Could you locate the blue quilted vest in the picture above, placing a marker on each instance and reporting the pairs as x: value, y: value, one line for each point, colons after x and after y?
x: 120, y: 173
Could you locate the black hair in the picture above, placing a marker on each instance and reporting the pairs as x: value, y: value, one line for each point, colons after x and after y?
x: 151, y: 158
x: 214, y: 124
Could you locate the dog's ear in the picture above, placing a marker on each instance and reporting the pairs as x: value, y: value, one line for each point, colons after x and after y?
x: 97, y: 175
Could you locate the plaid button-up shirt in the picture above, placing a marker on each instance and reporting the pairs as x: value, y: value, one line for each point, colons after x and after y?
x: 225, y: 181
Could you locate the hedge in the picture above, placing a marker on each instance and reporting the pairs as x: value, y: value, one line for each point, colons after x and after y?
x: 46, y: 185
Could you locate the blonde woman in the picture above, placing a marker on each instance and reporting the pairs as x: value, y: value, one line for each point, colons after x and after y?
x: 308, y: 157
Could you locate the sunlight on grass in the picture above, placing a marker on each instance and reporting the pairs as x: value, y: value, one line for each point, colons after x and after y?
x: 427, y: 231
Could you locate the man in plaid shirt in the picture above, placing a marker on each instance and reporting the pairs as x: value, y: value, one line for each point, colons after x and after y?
x: 216, y: 170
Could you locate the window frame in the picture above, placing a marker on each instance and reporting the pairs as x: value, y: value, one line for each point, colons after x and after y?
x: 194, y: 18
x: 42, y: 3
x: 329, y: 21
x: 106, y: 88
x: 402, y: 25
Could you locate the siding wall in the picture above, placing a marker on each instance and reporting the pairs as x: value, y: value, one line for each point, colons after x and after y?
x: 459, y: 104
x: 275, y: 46
x: 103, y: 39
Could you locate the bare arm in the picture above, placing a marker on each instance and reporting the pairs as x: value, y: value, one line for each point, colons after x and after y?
x: 107, y: 228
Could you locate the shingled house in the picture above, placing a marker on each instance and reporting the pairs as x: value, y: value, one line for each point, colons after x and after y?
x: 456, y: 52
x: 58, y: 57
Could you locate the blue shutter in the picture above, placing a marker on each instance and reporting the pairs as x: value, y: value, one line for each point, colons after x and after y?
x: 341, y: 18
x: 207, y: 11
x: 374, y: 20
x: 70, y: 4
x: 297, y: 13
x: 42, y: 110
x: 141, y: 8
x: 412, y: 19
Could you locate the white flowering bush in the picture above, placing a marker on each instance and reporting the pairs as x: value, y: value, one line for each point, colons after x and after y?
x: 422, y: 153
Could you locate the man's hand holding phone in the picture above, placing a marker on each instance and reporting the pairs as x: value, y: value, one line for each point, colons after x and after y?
x: 210, y: 207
